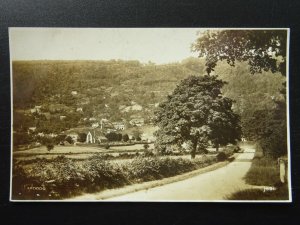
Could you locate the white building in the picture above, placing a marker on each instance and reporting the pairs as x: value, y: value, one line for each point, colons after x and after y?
x: 137, y: 122
x: 31, y: 130
x: 119, y: 125
x: 95, y: 125
x: 79, y: 110
x: 36, y: 109
x: 93, y: 137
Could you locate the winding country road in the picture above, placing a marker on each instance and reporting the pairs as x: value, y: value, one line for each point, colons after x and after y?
x: 213, y: 185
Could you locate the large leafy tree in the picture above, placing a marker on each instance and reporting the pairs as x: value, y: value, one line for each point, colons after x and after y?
x: 262, y: 49
x: 195, y: 113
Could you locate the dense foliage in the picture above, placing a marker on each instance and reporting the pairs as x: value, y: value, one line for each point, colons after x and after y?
x: 62, y: 177
x: 264, y: 50
x: 117, y: 83
x: 196, y: 112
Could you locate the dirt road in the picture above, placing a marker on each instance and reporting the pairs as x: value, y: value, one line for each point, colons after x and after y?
x: 214, y: 185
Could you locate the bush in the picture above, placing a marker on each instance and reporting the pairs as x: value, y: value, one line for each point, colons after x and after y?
x: 148, y: 153
x: 107, y: 146
x: 69, y: 140
x: 100, y: 174
x: 63, y: 177
x: 125, y: 137
x: 230, y: 150
x: 50, y: 146
x: 221, y: 156
x: 236, y: 149
x: 151, y: 168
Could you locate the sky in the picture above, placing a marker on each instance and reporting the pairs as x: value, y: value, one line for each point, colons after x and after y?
x: 158, y: 45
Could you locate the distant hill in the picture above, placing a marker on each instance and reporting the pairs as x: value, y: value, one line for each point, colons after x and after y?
x: 120, y: 90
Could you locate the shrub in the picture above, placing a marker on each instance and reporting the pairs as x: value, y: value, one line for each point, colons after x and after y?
x: 221, y: 156
x: 151, y: 168
x: 50, y: 146
x: 107, y: 146
x: 148, y: 153
x: 125, y: 137
x: 229, y: 150
x: 69, y: 140
x: 236, y: 149
x: 64, y: 177
x: 101, y: 174
x: 138, y: 139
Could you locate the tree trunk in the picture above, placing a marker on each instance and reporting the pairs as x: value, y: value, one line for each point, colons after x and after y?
x: 193, y: 152
x: 217, y: 147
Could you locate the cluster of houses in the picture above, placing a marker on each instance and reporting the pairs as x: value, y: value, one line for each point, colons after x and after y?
x: 54, y: 108
x: 109, y: 126
x: 98, y: 128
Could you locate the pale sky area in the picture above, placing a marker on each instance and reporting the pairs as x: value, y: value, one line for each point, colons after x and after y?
x: 159, y: 45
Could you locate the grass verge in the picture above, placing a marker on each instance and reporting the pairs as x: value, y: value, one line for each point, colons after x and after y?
x: 263, y: 171
x: 280, y: 193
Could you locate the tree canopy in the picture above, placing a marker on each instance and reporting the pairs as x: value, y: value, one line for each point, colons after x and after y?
x: 195, y: 113
x: 262, y: 49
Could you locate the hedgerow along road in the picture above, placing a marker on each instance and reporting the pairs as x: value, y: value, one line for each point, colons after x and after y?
x: 214, y: 185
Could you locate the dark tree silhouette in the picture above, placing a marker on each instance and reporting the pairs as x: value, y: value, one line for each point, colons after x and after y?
x: 195, y: 113
x: 262, y: 49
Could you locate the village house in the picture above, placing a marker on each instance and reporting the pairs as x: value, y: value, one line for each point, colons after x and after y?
x: 31, y: 130
x: 137, y: 122
x: 79, y: 109
x: 36, y: 109
x: 105, y: 124
x: 110, y: 130
x: 119, y: 125
x: 95, y: 125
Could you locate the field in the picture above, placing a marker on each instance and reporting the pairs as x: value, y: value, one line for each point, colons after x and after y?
x: 77, y: 152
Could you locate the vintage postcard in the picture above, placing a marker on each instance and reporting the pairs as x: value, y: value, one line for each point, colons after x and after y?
x: 150, y: 114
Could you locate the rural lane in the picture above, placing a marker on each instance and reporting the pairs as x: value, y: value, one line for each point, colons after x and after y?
x: 213, y: 185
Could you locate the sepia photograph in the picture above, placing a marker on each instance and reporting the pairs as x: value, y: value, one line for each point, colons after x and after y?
x: 150, y: 114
